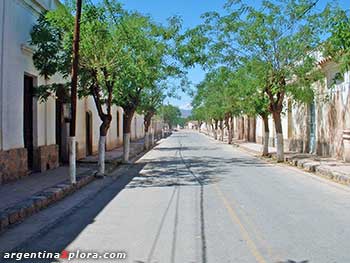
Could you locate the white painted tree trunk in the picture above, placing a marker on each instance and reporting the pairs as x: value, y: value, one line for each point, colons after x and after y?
x: 126, y: 148
x: 101, y: 155
x: 230, y: 131
x: 147, y: 141
x: 215, y: 134
x: 280, y: 148
x: 222, y: 135
x: 266, y: 144
x: 72, y: 160
x: 152, y: 138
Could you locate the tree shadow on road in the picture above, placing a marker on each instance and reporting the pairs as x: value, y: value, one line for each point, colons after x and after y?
x: 293, y: 261
x: 168, y: 172
x: 57, y: 236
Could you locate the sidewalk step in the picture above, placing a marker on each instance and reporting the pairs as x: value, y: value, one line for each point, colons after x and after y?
x: 39, y: 201
x: 18, y: 212
x: 329, y: 168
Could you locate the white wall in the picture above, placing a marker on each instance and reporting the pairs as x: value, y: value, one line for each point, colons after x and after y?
x: 16, y: 61
x: 137, y: 127
x: 2, y: 39
x: 19, y: 18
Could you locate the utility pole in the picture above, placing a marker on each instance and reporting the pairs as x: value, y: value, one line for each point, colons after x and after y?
x: 74, y: 84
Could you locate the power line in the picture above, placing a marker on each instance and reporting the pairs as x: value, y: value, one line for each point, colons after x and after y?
x: 299, y: 17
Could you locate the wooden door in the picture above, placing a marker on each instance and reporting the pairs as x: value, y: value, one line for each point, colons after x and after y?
x: 28, y: 118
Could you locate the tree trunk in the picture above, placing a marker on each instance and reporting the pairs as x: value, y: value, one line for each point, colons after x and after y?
x: 215, y: 130
x: 222, y: 130
x: 128, y: 114
x: 74, y: 85
x: 252, y: 129
x: 147, y: 123
x: 152, y: 138
x: 72, y: 159
x: 266, y: 135
x: 241, y: 129
x: 227, y: 125
x: 106, y: 121
x: 279, y: 133
x: 230, y: 131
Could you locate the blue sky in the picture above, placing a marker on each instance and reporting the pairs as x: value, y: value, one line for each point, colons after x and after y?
x: 190, y: 11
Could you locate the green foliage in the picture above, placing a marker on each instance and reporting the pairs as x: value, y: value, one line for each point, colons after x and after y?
x: 171, y: 115
x: 283, y: 36
x: 338, y: 44
x: 47, y: 39
x: 125, y: 57
x: 151, y: 101
x: 257, y: 57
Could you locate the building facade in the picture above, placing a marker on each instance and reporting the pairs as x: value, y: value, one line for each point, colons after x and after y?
x: 33, y: 134
x: 319, y: 127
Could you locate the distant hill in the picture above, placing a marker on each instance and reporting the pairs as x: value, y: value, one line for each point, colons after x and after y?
x: 185, y: 113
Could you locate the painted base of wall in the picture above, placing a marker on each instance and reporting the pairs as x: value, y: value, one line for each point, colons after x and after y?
x: 47, y: 157
x: 13, y: 164
x: 272, y: 141
x: 259, y: 139
x: 296, y: 145
x: 324, y: 149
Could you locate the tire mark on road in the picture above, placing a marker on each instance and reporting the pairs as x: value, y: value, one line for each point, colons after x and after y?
x: 155, y: 242
x: 202, y: 220
x: 176, y: 221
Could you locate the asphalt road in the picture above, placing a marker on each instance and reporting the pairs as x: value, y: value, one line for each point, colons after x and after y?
x: 192, y: 199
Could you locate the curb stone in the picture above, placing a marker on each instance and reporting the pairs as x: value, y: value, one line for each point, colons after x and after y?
x: 309, y: 165
x: 39, y: 201
x: 16, y: 214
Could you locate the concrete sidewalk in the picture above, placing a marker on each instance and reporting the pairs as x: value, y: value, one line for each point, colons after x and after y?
x: 116, y: 155
x: 331, y: 168
x: 29, y: 195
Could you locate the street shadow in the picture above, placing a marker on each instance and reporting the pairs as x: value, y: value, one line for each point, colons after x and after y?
x: 186, y: 148
x: 169, y: 172
x: 162, y: 172
x: 56, y: 237
x: 293, y: 261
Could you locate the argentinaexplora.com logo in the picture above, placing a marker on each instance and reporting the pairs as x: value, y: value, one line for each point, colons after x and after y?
x: 65, y: 255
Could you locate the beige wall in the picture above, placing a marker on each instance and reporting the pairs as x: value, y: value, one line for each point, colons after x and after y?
x: 332, y: 112
x: 332, y: 116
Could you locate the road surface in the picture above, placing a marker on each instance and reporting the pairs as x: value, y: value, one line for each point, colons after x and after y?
x: 192, y: 199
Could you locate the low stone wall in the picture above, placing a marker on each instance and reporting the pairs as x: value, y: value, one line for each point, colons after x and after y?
x: 47, y: 157
x: 296, y: 145
x: 13, y: 164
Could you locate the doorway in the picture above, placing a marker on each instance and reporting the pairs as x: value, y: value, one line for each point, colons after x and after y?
x: 60, y: 125
x: 88, y: 126
x: 118, y: 124
x: 28, y: 119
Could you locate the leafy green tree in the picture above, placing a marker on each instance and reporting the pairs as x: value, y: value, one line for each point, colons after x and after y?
x: 170, y: 114
x: 101, y: 56
x: 122, y: 53
x: 149, y: 62
x: 338, y: 44
x: 281, y: 35
x: 210, y: 96
x: 151, y: 101
x: 256, y: 102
